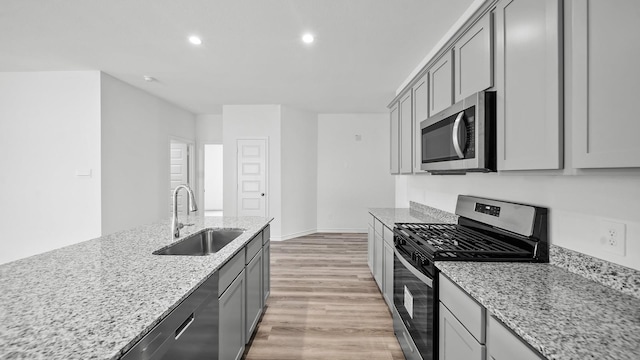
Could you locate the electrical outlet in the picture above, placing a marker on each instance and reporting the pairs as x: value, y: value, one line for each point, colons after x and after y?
x: 613, y: 237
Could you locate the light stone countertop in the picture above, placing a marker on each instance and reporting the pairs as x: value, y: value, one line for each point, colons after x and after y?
x: 561, y: 314
x: 96, y: 299
x: 390, y: 216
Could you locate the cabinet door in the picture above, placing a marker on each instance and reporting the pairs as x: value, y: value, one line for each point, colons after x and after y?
x: 441, y: 84
x: 395, y: 137
x: 504, y: 345
x: 420, y: 113
x: 474, y: 59
x: 388, y: 275
x: 605, y: 78
x: 455, y: 342
x: 377, y: 259
x: 266, y: 271
x: 232, y: 320
x: 254, y: 294
x: 406, y: 141
x: 528, y: 84
x: 370, y: 251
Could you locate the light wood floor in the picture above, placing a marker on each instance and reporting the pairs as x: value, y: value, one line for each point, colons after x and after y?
x: 324, y: 303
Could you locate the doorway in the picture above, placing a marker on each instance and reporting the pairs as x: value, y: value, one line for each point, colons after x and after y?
x: 252, y: 177
x: 181, y: 171
x: 213, y: 175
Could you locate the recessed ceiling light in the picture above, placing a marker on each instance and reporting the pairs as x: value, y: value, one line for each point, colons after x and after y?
x: 195, y: 40
x: 149, y: 78
x: 307, y: 38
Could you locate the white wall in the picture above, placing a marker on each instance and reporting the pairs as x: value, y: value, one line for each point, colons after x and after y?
x: 299, y: 172
x: 208, y: 131
x: 253, y: 121
x: 213, y: 179
x: 49, y: 129
x: 352, y: 175
x: 136, y: 131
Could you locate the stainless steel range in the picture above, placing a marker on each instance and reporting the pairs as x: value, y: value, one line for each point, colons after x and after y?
x: 487, y: 230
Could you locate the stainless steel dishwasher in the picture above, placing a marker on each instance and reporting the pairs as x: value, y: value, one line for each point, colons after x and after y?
x: 189, y: 332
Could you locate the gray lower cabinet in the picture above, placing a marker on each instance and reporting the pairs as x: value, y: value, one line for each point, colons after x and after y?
x: 370, y: 241
x: 502, y: 344
x: 255, y: 296
x: 456, y: 343
x: 377, y: 258
x: 266, y: 272
x: 529, y: 84
x: 232, y: 320
x: 388, y: 274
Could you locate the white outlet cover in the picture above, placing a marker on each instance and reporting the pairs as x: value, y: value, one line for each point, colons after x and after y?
x: 618, y: 244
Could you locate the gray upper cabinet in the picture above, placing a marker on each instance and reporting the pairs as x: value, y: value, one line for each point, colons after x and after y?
x: 406, y: 142
x: 529, y: 84
x: 420, y: 113
x: 474, y: 59
x: 395, y: 145
x: 441, y: 84
x: 605, y: 78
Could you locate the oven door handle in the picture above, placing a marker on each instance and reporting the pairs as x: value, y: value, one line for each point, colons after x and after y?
x: 424, y: 278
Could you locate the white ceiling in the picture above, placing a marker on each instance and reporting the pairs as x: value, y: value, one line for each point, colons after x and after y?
x: 252, y: 53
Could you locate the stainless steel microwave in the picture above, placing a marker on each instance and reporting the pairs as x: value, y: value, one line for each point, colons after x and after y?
x: 461, y: 138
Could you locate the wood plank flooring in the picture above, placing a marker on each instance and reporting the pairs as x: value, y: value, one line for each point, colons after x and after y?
x: 324, y: 303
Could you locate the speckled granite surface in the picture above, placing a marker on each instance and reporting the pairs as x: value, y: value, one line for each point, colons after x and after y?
x: 96, y: 299
x: 615, y: 276
x: 561, y: 314
x: 443, y: 216
x: 390, y: 216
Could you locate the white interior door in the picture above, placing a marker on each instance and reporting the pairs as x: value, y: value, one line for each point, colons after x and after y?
x: 179, y: 166
x: 252, y: 177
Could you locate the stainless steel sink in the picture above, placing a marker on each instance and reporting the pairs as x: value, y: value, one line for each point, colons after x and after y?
x: 205, y: 242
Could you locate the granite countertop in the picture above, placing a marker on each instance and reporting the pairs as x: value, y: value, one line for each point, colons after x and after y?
x: 390, y: 216
x: 561, y: 314
x: 96, y: 299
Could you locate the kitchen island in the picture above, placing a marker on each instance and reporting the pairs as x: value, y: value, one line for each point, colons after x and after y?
x: 96, y: 299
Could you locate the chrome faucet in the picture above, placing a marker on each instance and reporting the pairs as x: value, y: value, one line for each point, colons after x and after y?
x: 175, y: 224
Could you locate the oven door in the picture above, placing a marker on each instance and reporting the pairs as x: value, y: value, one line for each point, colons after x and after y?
x: 413, y: 297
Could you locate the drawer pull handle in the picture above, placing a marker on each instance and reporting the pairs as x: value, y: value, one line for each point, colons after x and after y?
x: 182, y: 328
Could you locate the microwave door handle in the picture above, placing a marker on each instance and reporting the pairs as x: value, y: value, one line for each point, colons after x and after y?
x: 455, y: 137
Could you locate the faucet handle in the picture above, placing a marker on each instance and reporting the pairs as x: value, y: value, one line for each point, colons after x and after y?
x: 176, y: 232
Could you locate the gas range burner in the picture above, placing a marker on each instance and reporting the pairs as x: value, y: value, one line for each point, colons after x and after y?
x: 487, y: 230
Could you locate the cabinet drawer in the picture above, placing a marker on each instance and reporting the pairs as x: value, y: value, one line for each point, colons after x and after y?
x: 388, y: 235
x: 470, y: 314
x: 378, y: 226
x: 230, y: 271
x: 253, y: 247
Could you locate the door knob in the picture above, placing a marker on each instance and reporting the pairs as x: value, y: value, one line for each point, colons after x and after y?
x: 262, y: 194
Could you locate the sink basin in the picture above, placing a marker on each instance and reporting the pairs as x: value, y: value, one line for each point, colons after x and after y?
x: 205, y: 242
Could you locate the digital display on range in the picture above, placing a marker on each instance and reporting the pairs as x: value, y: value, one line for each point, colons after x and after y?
x: 488, y: 209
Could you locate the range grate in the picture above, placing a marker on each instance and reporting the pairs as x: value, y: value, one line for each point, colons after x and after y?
x: 455, y: 242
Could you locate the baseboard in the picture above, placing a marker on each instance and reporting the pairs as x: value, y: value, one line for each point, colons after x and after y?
x: 294, y: 235
x: 309, y: 232
x: 363, y: 231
